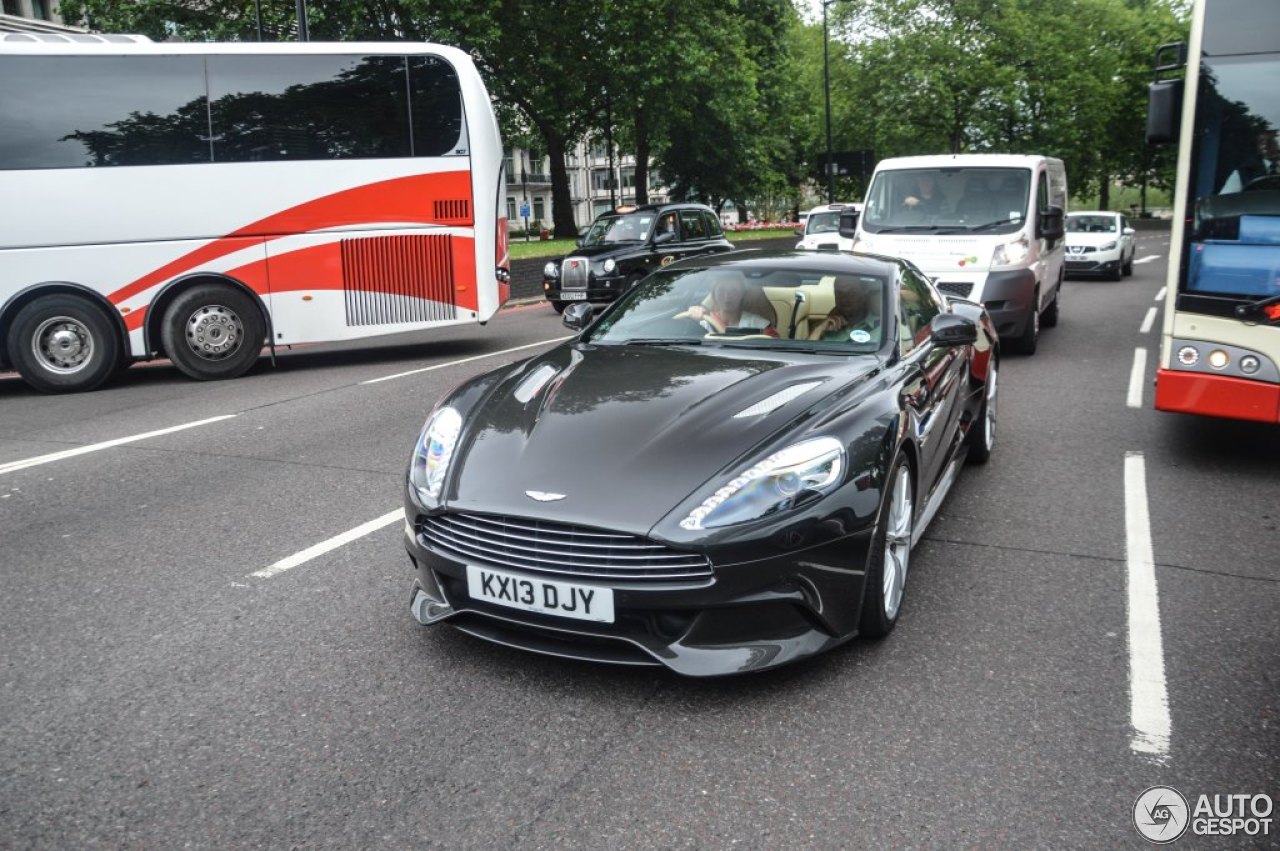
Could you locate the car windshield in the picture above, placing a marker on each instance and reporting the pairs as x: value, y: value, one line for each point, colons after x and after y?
x: 1091, y: 224
x: 809, y: 310
x: 629, y: 227
x: 947, y: 200
x: 828, y: 221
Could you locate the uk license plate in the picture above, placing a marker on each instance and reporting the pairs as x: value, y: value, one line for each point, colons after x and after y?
x: 545, y: 596
x: 569, y: 296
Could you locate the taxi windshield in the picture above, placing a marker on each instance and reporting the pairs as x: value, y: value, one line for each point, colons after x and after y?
x: 628, y: 227
x: 828, y: 221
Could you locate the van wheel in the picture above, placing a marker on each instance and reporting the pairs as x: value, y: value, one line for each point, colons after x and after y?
x: 1049, y: 319
x: 1029, y: 341
x: 212, y: 332
x: 63, y: 344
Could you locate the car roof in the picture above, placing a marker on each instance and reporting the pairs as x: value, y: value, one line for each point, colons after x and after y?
x: 828, y: 262
x: 628, y: 209
x: 1095, y: 213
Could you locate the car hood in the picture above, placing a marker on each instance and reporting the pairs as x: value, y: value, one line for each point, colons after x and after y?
x: 600, y: 252
x: 1091, y: 240
x: 626, y: 433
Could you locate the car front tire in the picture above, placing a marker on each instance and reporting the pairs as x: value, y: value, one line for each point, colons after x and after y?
x: 890, y: 556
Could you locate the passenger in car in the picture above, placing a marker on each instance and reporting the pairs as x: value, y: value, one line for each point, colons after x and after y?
x: 726, y: 308
x: 856, y: 317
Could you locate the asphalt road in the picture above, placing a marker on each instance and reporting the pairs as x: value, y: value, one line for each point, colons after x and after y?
x: 157, y: 695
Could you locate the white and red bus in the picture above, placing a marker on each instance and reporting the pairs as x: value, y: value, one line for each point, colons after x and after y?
x: 1220, y: 348
x: 200, y: 201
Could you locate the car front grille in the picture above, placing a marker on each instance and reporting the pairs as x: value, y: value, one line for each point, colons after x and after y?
x: 558, y: 549
x: 1076, y: 249
x: 960, y: 288
x: 573, y: 273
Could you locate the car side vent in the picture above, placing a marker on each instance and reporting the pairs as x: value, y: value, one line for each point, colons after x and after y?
x: 453, y: 212
x: 393, y: 279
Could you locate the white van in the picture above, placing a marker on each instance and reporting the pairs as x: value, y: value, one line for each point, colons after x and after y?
x: 986, y: 227
x: 821, y: 230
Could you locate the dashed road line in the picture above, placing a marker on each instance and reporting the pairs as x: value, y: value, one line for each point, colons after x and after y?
x: 1148, y: 321
x: 333, y: 543
x: 1149, y: 258
x: 1148, y: 689
x: 23, y: 464
x: 1161, y: 293
x: 467, y: 360
x: 1136, y: 377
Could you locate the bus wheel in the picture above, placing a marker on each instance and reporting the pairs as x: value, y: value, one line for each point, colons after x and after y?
x: 63, y: 344
x: 213, y: 331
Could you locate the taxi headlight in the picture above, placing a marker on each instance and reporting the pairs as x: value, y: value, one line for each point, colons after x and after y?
x: 787, y: 478
x: 550, y: 271
x: 1011, y: 253
x: 433, y: 453
x: 609, y: 265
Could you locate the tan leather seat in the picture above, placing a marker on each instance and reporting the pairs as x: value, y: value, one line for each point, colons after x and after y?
x: 820, y: 300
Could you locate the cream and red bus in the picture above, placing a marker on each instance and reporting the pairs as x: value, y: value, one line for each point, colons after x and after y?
x: 201, y: 201
x: 1220, y: 347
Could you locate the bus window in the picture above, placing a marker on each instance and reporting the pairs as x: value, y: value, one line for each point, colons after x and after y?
x: 77, y: 111
x: 436, y: 102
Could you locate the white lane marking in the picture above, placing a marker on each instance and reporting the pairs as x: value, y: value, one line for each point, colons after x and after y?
x: 1160, y: 293
x: 326, y: 546
x: 1148, y: 321
x: 1147, y: 259
x: 1136, y: 377
x: 23, y: 464
x: 1148, y: 691
x: 466, y: 360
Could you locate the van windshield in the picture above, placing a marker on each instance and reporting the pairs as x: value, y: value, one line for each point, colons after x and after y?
x: 948, y: 200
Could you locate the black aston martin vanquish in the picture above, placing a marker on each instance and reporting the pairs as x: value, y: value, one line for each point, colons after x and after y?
x: 724, y: 472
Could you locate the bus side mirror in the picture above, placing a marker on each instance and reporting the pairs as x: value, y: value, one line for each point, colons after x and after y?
x: 848, y: 225
x: 1164, y: 111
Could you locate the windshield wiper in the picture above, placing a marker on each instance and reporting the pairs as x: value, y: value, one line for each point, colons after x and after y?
x: 1268, y: 307
x: 910, y: 229
x: 997, y: 223
x: 658, y: 341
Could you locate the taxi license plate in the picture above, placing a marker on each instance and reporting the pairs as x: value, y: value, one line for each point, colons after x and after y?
x: 568, y: 296
x: 545, y: 596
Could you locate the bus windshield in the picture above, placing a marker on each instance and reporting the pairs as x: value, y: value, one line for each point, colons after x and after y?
x: 948, y: 200
x: 1235, y: 238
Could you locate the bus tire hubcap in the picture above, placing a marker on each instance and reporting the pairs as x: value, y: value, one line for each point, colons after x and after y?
x: 214, y: 332
x: 62, y: 344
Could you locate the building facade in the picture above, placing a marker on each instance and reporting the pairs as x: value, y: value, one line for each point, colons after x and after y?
x: 30, y: 16
x: 590, y: 181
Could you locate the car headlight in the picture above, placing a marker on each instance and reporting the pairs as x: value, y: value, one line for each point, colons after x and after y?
x: 1107, y: 246
x: 550, y: 271
x: 609, y: 265
x: 1011, y: 253
x: 785, y: 479
x: 434, y: 452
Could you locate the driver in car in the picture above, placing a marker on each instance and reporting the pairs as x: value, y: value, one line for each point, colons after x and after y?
x: 726, y: 310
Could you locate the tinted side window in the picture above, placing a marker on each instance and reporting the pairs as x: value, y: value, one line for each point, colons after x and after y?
x: 692, y: 224
x: 1042, y: 193
x: 308, y: 107
x: 917, y: 305
x: 436, y: 101
x: 73, y: 111
x: 713, y: 225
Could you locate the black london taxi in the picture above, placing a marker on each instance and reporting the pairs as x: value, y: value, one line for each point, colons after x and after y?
x: 627, y: 243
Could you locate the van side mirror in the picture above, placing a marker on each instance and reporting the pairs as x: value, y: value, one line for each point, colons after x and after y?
x: 577, y: 315
x: 848, y: 224
x: 1051, y: 224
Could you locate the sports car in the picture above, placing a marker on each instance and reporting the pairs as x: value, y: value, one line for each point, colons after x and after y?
x: 725, y: 471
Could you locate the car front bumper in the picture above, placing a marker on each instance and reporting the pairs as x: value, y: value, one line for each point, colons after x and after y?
x: 599, y: 290
x: 751, y: 615
x: 1092, y: 263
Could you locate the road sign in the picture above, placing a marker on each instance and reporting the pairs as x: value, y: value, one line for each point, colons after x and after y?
x: 524, y: 211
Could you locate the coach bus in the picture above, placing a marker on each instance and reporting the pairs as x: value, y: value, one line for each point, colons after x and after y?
x: 198, y: 202
x: 1220, y: 347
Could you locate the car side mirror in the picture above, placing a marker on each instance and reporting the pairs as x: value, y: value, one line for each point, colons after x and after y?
x: 1129, y: 231
x: 952, y: 329
x: 848, y: 225
x: 1051, y: 223
x: 664, y: 237
x: 577, y: 315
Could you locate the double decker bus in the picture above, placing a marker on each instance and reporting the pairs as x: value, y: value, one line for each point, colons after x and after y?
x: 1220, y: 346
x: 201, y: 201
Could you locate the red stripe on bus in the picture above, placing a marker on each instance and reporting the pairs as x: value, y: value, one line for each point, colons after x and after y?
x: 401, y: 199
x: 1217, y: 396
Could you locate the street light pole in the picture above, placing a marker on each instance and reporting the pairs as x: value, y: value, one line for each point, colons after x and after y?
x: 826, y: 85
x: 302, y: 20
